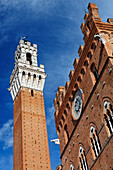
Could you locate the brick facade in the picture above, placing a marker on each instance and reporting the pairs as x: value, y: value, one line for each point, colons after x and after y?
x: 87, y: 142
x: 31, y: 149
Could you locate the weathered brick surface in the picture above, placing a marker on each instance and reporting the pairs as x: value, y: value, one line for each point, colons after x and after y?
x: 31, y: 150
x: 95, y: 92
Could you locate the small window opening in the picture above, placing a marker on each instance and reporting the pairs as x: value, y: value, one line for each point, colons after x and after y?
x: 39, y: 77
x: 60, y: 124
x: 93, y: 46
x: 23, y: 73
x: 34, y: 76
x: 25, y: 41
x: 89, y: 55
x: 65, y: 112
x: 66, y: 132
x: 28, y: 57
x: 76, y: 86
x: 63, y: 118
x: 58, y: 104
x: 83, y: 71
x: 86, y: 63
x: 32, y: 94
x: 88, y: 25
x: 67, y: 105
x: 29, y: 74
x: 79, y: 79
x: 94, y: 71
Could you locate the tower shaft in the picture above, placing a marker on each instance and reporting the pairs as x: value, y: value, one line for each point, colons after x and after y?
x: 30, y: 148
x: 30, y: 133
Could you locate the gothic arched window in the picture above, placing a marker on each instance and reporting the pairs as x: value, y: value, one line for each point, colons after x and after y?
x: 96, y: 146
x: 82, y: 158
x: 108, y: 115
x: 71, y: 167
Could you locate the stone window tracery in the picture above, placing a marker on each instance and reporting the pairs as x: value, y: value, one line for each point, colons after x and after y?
x: 96, y: 146
x: 108, y: 115
x: 82, y: 158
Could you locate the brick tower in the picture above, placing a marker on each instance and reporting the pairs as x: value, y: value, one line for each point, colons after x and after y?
x: 31, y: 151
x: 84, y: 107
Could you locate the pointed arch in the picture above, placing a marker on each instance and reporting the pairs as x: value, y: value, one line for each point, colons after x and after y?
x: 96, y: 146
x: 108, y: 116
x: 82, y: 158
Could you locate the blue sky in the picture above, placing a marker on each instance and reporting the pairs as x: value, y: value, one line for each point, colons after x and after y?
x: 55, y: 26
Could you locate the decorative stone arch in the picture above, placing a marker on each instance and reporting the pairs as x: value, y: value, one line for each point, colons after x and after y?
x: 108, y: 98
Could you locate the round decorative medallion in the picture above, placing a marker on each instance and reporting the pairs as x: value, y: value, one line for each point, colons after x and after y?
x: 77, y: 105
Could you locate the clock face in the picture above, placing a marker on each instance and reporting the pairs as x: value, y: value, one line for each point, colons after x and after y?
x: 77, y: 105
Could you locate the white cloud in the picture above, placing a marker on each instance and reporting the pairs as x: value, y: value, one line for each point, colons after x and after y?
x: 50, y: 114
x: 6, y: 134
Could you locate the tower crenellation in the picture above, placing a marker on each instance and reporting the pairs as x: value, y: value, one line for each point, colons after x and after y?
x: 26, y: 72
x: 26, y: 53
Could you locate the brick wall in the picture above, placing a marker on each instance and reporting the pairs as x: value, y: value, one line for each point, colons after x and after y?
x: 31, y: 149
